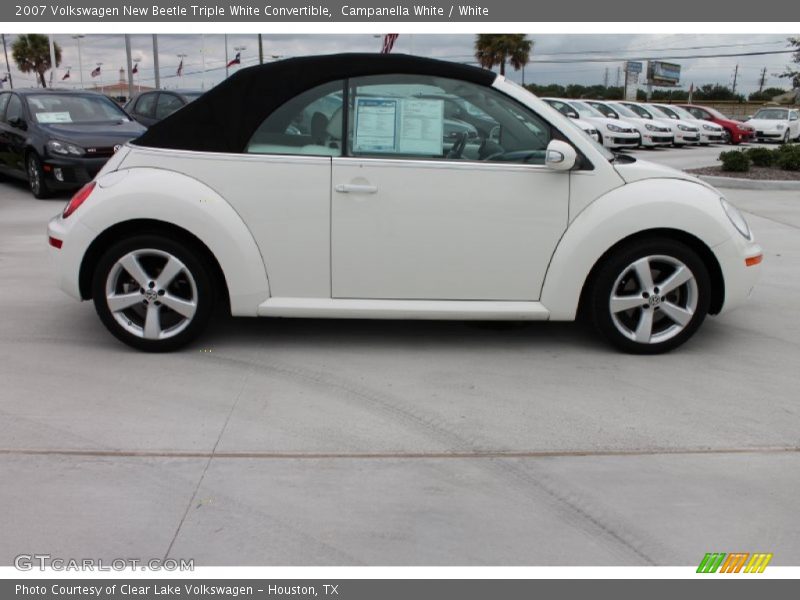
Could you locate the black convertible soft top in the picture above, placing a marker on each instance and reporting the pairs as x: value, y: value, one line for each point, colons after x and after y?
x: 224, y: 118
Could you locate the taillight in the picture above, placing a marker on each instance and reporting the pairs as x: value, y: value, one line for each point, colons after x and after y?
x: 80, y: 196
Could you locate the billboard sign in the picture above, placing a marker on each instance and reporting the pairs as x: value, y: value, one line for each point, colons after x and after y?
x: 663, y: 73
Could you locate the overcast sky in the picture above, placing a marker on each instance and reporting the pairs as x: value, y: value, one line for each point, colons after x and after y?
x: 110, y: 50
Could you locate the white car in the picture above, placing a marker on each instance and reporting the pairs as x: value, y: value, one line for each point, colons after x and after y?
x: 710, y: 133
x: 613, y: 134
x: 776, y: 124
x: 683, y: 133
x: 652, y: 134
x: 690, y: 128
x: 368, y: 212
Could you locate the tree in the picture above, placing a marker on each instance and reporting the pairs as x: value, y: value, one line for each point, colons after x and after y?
x: 497, y: 49
x: 31, y: 52
x: 789, y: 72
x: 768, y: 94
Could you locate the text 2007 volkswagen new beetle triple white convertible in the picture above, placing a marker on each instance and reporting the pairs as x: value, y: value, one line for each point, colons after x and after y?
x: 390, y: 186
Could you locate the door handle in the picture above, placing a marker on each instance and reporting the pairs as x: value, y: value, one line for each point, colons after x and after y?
x: 356, y: 188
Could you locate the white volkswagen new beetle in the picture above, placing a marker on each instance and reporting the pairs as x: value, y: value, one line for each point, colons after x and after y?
x: 327, y: 187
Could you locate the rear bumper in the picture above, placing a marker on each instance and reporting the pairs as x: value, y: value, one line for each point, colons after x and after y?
x: 65, y: 261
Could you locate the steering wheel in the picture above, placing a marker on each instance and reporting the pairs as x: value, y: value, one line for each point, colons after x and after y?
x: 458, y: 146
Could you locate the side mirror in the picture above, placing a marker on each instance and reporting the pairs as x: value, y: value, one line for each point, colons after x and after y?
x: 19, y: 123
x: 572, y: 115
x: 560, y: 156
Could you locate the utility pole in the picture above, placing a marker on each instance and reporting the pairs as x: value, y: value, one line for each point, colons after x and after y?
x: 53, y: 65
x: 130, y: 65
x: 8, y: 69
x: 78, y: 38
x: 735, y: 77
x: 605, y: 79
x: 762, y: 80
x: 260, y: 50
x: 155, y: 61
x: 226, y: 56
x: 619, y: 70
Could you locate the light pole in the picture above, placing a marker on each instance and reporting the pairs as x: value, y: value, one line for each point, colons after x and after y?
x: 226, y: 55
x: 129, y: 65
x: 8, y: 69
x: 78, y: 38
x: 136, y: 62
x: 100, y: 73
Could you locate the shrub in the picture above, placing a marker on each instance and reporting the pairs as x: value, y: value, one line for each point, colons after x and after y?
x: 762, y: 157
x: 788, y: 158
x: 735, y: 160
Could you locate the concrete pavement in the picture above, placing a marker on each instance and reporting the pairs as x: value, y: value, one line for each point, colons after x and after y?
x: 347, y: 442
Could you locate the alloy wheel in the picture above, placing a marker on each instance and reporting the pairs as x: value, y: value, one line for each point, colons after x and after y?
x: 34, y: 177
x: 151, y: 294
x: 653, y: 299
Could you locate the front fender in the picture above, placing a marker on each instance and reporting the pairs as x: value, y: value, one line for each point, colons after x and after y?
x: 175, y: 198
x: 620, y: 213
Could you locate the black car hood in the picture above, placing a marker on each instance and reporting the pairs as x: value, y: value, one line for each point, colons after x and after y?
x: 94, y: 135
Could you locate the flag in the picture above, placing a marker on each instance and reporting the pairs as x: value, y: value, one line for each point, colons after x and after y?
x: 66, y: 76
x: 180, y: 69
x: 237, y: 60
x: 388, y: 42
x: 135, y: 69
x: 96, y: 72
x: 691, y: 92
x: 4, y: 79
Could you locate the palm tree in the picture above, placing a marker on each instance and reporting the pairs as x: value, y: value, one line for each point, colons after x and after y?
x: 498, y: 48
x: 31, y: 52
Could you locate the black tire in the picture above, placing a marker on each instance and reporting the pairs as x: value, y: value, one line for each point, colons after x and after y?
x: 727, y: 138
x: 36, y: 180
x: 612, y: 273
x: 785, y: 138
x: 196, y: 271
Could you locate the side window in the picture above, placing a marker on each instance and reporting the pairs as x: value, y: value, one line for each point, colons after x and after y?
x: 639, y: 111
x: 309, y: 124
x: 167, y: 104
x: 14, y: 108
x: 3, y: 102
x: 144, y: 105
x: 412, y: 116
x: 700, y: 114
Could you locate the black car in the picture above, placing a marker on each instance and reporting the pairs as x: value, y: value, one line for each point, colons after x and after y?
x: 59, y: 140
x: 150, y: 107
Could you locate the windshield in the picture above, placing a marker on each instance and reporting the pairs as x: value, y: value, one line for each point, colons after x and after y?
x: 73, y: 108
x: 585, y: 110
x: 191, y: 95
x: 640, y: 110
x: 663, y: 111
x: 683, y: 113
x: 775, y: 114
x: 604, y: 109
x: 625, y: 111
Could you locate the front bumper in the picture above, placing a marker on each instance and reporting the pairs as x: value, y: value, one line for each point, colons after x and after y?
x: 770, y: 135
x: 740, y: 279
x: 711, y: 137
x: 620, y: 140
x: 687, y: 137
x: 71, y: 172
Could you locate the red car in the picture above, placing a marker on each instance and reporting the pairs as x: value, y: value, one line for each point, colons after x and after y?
x: 736, y: 132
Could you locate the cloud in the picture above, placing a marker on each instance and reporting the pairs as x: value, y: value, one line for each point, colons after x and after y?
x: 109, y: 49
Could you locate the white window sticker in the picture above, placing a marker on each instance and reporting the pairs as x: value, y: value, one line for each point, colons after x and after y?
x: 375, y: 125
x: 421, y: 127
x: 53, y: 117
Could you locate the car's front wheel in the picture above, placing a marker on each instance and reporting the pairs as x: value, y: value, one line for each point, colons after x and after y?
x: 153, y: 293
x: 785, y: 137
x: 36, y: 180
x: 650, y: 296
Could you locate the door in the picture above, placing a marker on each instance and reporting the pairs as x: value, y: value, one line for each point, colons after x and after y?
x: 418, y: 213
x: 15, y: 132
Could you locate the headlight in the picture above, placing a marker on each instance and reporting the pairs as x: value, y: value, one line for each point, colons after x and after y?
x: 685, y: 128
x: 64, y: 148
x: 614, y: 128
x: 781, y: 126
x: 736, y: 218
x: 711, y: 128
x: 651, y: 127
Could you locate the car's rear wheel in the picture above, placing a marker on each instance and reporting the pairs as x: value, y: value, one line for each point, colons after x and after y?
x: 650, y: 296
x: 153, y: 293
x: 36, y: 179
